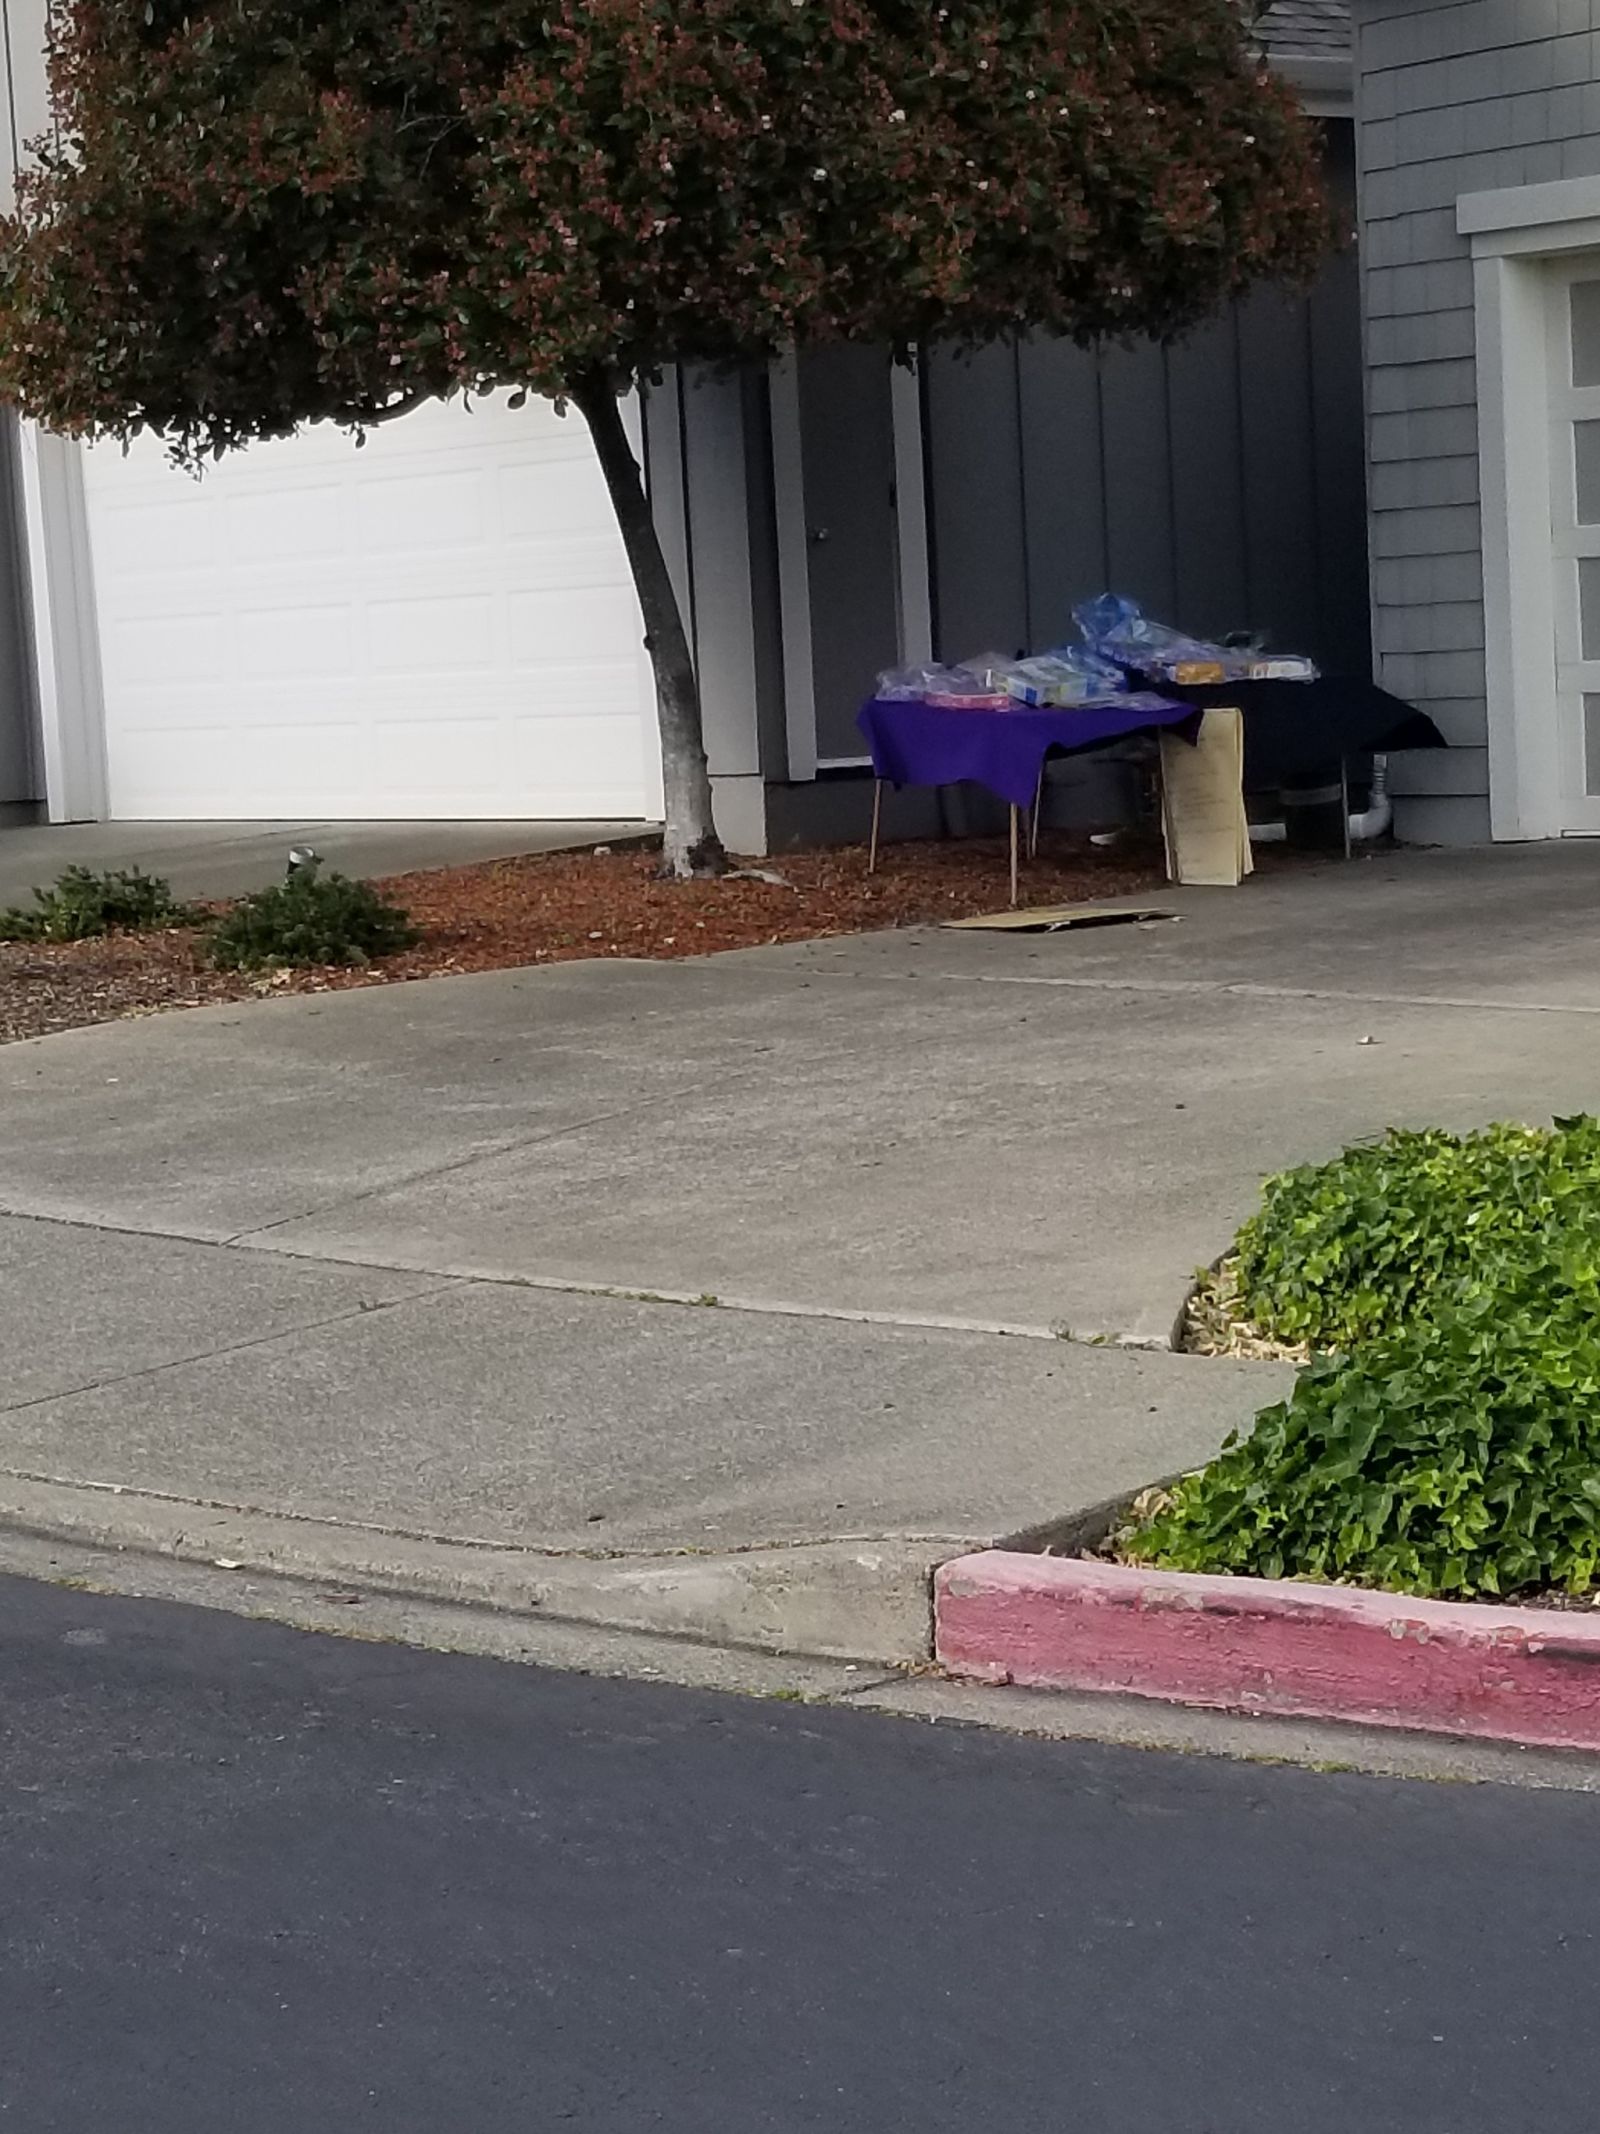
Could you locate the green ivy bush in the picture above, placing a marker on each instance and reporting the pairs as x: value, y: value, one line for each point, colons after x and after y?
x: 1447, y: 1439
x: 1457, y: 1456
x: 1346, y: 1250
x: 82, y: 904
x: 311, y: 918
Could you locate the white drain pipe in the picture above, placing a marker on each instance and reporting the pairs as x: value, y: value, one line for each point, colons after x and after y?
x: 1373, y: 820
x: 1378, y: 813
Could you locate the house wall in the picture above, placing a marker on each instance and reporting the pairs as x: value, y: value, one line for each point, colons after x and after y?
x: 1219, y: 481
x: 21, y: 762
x: 1463, y: 97
x: 21, y: 779
x: 708, y: 468
x: 44, y: 548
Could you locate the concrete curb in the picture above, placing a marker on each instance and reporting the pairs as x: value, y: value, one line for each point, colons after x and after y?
x: 1523, y: 1675
x: 845, y: 1600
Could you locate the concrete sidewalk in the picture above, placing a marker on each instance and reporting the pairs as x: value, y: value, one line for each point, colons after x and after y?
x: 383, y: 1271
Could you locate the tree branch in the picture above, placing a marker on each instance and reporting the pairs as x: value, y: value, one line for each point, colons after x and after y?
x: 369, y: 418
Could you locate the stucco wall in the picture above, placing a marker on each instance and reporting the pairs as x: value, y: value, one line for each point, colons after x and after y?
x: 1451, y: 99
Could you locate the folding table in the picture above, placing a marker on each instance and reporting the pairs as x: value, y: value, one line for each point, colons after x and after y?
x: 917, y: 743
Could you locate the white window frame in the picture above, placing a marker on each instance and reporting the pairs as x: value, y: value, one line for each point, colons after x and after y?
x: 1514, y: 232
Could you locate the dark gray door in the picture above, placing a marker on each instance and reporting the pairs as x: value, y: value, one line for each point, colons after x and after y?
x: 18, y: 779
x: 852, y: 549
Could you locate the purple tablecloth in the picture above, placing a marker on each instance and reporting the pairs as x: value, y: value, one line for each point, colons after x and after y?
x: 921, y: 744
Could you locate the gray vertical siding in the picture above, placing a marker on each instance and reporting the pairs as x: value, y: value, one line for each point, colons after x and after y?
x: 22, y: 115
x: 1452, y: 98
x: 20, y: 784
x: 1060, y: 499
x: 1219, y: 481
x: 977, y: 502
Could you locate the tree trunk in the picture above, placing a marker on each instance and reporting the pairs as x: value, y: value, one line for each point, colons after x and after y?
x: 692, y: 846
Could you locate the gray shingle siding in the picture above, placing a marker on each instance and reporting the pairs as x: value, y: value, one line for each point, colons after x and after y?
x: 1307, y: 29
x: 1453, y: 97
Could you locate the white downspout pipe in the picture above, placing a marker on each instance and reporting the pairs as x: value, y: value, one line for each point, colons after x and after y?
x: 1373, y: 820
x: 1378, y: 814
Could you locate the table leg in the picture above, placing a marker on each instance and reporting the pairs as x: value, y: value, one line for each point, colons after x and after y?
x: 1016, y: 818
x: 1344, y: 801
x: 1038, y: 804
x: 877, y: 817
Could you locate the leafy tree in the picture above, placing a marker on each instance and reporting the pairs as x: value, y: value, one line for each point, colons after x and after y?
x: 253, y: 214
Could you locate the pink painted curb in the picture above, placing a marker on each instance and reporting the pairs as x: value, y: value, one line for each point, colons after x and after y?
x: 1268, y: 1645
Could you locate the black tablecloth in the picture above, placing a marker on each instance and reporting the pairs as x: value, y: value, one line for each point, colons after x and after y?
x: 1295, y: 730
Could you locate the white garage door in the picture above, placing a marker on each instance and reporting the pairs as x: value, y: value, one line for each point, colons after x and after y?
x: 439, y: 624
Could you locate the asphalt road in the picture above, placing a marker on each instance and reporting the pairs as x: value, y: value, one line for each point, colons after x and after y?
x: 255, y: 1880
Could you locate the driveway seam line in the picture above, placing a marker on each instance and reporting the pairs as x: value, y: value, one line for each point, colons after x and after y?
x: 618, y: 1292
x: 1238, y: 988
x: 228, y: 1348
x: 429, y: 1174
x: 481, y: 1544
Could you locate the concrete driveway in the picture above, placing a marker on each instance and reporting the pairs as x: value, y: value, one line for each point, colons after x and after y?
x: 426, y: 1259
x: 227, y: 859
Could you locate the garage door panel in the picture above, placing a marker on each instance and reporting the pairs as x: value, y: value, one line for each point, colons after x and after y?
x: 294, y: 526
x: 440, y: 624
x: 196, y: 773
x: 603, y: 692
x: 558, y: 626
x: 478, y: 749
x: 188, y: 771
x: 562, y: 747
x: 559, y: 565
x: 607, y: 692
x: 144, y: 539
x: 169, y: 653
x: 551, y: 491
x: 445, y: 633
x: 511, y: 568
x: 426, y: 511
x: 293, y: 643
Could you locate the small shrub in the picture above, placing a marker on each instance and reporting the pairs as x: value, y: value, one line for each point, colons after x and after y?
x: 1447, y: 1440
x: 83, y: 904
x: 1458, y: 1455
x: 1343, y: 1251
x: 311, y: 918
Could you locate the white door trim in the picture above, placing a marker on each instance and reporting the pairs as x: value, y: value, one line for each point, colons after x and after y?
x: 911, y: 511
x: 66, y: 626
x: 1572, y: 410
x: 1525, y: 796
x: 655, y: 791
x: 1514, y: 233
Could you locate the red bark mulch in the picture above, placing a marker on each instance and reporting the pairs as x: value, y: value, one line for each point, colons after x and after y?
x: 557, y: 907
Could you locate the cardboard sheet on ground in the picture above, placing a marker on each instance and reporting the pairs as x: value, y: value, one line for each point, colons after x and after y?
x: 1055, y: 918
x: 1202, y: 804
